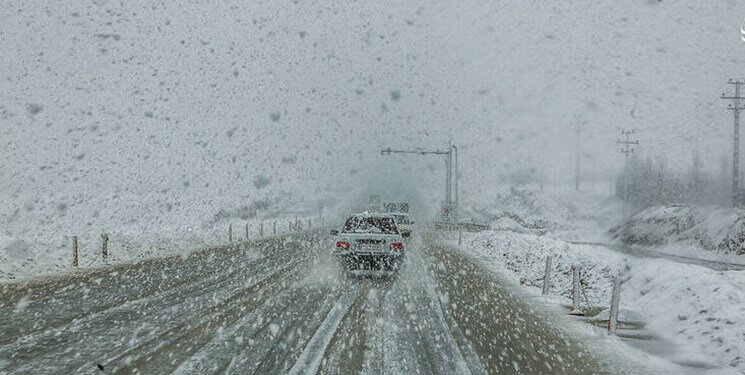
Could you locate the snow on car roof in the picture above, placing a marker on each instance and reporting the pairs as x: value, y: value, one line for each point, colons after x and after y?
x: 369, y: 214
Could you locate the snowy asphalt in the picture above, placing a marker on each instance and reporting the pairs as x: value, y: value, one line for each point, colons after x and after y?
x: 281, y: 306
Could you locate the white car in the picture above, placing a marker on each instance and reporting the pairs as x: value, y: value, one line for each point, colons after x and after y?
x: 371, y: 241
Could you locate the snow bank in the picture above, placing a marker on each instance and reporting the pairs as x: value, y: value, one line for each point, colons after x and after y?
x: 696, y: 308
x: 692, y: 305
x: 715, y: 229
x: 524, y: 255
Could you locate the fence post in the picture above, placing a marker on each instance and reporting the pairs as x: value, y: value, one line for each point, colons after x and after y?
x: 547, y: 276
x: 104, y: 246
x: 575, y: 291
x: 460, y: 236
x: 230, y: 232
x: 274, y: 227
x: 614, y: 301
x: 308, y: 223
x: 297, y: 224
x: 246, y: 231
x: 289, y: 226
x: 261, y: 229
x: 74, y: 251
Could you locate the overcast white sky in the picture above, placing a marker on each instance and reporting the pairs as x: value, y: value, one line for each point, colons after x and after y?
x: 201, y: 101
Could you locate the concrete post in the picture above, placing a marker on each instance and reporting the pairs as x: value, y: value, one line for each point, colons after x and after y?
x: 575, y: 291
x: 614, y: 302
x: 104, y: 246
x: 74, y: 251
x: 547, y: 277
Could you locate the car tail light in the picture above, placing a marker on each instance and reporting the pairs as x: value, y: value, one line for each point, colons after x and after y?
x: 342, y: 245
x: 397, y: 246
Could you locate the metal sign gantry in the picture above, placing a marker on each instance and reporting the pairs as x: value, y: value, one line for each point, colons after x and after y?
x: 450, y: 205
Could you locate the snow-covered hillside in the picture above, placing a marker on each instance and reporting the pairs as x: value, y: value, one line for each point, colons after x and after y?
x: 713, y: 229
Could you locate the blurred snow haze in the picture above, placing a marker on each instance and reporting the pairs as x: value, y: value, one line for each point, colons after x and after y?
x: 161, y: 121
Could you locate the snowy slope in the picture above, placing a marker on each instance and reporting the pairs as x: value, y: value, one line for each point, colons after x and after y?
x: 714, y: 229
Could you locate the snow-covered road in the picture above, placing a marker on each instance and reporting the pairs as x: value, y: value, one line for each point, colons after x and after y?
x: 280, y: 306
x: 639, y: 252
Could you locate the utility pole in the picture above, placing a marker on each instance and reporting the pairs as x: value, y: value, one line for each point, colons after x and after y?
x: 449, y: 180
x: 450, y: 209
x: 455, y: 177
x: 736, y: 107
x: 543, y: 146
x: 627, y: 150
x: 576, y: 157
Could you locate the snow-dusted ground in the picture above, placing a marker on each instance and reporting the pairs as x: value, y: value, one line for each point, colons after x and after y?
x: 24, y: 259
x: 712, y: 232
x: 694, y: 310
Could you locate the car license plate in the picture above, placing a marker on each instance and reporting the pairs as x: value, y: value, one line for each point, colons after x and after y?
x: 370, y: 247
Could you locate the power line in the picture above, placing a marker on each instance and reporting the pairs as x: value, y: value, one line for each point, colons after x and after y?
x: 692, y: 131
x: 686, y: 115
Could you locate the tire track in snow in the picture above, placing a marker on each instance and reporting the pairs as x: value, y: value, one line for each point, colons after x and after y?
x: 418, y: 290
x: 270, y: 337
x: 185, y: 273
x: 311, y: 357
x: 199, y: 329
x: 170, y: 297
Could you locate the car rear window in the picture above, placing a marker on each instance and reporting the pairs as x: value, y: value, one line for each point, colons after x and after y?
x: 402, y: 219
x: 370, y: 224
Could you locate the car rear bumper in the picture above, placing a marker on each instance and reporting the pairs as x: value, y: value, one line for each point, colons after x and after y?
x: 367, y: 260
x: 358, y: 253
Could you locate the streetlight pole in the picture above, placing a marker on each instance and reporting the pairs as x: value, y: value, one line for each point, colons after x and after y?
x: 455, y: 181
x: 450, y: 210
